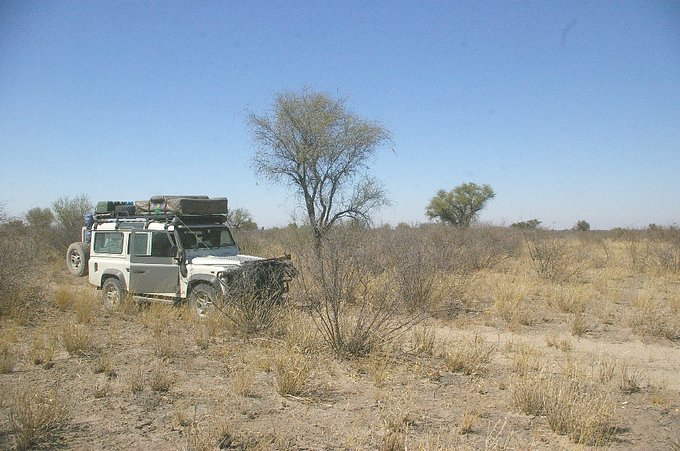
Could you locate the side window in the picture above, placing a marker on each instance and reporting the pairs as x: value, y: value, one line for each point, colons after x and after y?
x: 108, y: 242
x: 160, y: 245
x: 152, y: 244
x: 140, y: 246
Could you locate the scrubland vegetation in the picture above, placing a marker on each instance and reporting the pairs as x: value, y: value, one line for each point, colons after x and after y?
x: 428, y: 338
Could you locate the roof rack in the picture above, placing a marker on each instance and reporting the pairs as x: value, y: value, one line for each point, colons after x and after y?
x: 168, y: 218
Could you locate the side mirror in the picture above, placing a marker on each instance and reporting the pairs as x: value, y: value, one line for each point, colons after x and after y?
x: 173, y: 251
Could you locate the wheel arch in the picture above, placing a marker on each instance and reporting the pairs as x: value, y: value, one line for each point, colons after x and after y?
x: 207, y: 279
x: 113, y: 273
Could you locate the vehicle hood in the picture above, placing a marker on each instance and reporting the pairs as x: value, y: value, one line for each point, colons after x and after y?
x: 233, y: 260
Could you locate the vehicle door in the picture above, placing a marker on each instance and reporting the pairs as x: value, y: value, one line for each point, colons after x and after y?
x: 153, y: 268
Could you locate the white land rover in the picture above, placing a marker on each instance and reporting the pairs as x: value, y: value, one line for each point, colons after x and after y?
x: 171, y: 248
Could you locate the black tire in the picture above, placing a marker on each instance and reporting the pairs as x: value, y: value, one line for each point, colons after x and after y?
x: 77, y: 256
x: 112, y: 292
x: 202, y: 299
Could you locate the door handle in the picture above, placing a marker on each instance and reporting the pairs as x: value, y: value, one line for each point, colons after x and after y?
x: 138, y: 271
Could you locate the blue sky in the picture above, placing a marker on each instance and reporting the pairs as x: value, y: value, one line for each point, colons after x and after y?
x: 569, y: 110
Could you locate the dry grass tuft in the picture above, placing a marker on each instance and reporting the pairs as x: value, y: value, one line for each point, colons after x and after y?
x: 527, y: 359
x: 42, y: 351
x: 242, y: 380
x: 8, y: 357
x: 292, y: 371
x: 85, y: 307
x: 77, y: 339
x: 211, y: 434
x: 654, y: 317
x: 512, y: 300
x: 137, y: 380
x: 423, y: 339
x: 164, y: 345
x: 160, y: 317
x: 563, y: 344
x: 568, y: 299
x: 579, y: 325
x: 161, y: 379
x: 35, y: 417
x: 63, y: 297
x: 631, y: 378
x: 605, y: 369
x: 103, y: 364
x: 467, y: 422
x: 571, y: 407
x: 300, y: 332
x: 470, y: 356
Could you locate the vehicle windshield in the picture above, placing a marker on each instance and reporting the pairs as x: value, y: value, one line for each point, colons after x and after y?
x: 205, y: 237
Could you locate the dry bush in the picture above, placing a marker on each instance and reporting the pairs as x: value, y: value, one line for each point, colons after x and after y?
x: 487, y: 247
x: 351, y: 297
x: 160, y: 317
x: 63, y: 297
x: 80, y: 302
x: 21, y: 292
x: 554, y: 257
x: 77, y: 339
x: 419, y: 258
x: 85, y: 307
x: 662, y: 250
x: 572, y: 407
x: 36, y: 417
x: 395, y: 411
x: 470, y: 356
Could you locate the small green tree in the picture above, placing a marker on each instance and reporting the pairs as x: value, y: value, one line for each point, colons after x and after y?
x: 460, y: 206
x: 582, y: 226
x: 241, y: 219
x: 531, y: 224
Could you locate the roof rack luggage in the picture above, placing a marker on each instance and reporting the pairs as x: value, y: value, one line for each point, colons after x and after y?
x: 159, y: 207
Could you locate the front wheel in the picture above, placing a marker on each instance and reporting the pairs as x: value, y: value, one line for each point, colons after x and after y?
x: 202, y: 299
x: 112, y: 292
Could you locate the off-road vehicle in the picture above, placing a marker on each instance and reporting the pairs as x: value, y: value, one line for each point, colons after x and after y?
x: 172, y: 248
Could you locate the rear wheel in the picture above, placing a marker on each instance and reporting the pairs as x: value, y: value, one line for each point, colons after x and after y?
x: 76, y: 258
x: 112, y: 292
x: 202, y: 299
